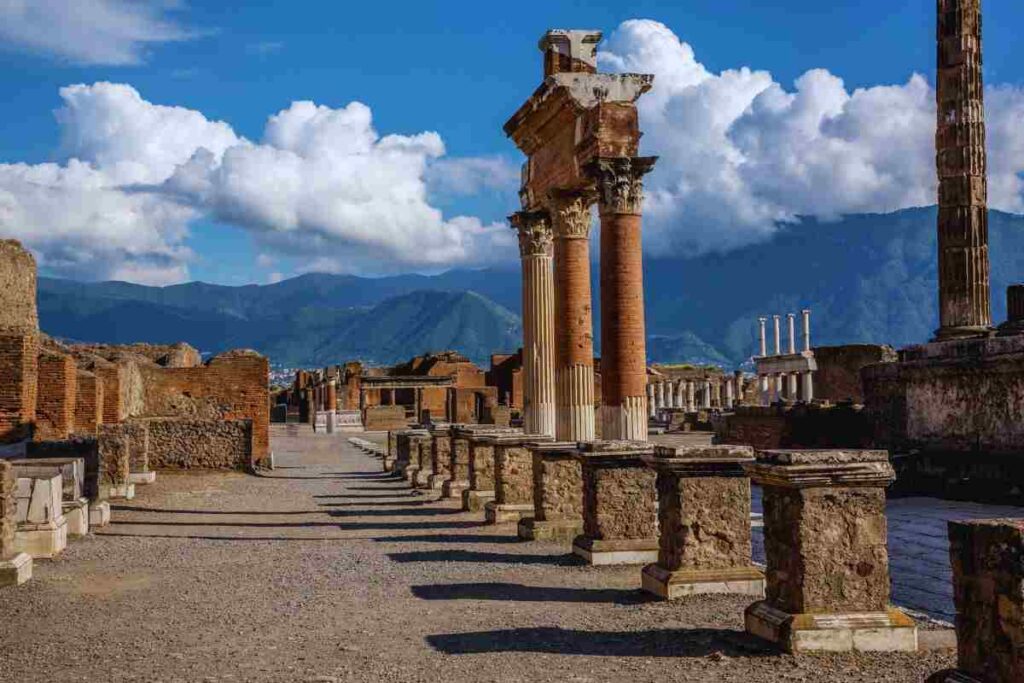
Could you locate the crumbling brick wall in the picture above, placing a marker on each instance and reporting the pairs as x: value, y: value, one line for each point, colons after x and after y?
x: 19, y: 341
x: 231, y: 386
x: 88, y: 403
x: 57, y: 396
x: 193, y: 443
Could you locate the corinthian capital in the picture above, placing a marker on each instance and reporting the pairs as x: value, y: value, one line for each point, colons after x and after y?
x: 619, y: 182
x: 534, y: 229
x: 571, y: 213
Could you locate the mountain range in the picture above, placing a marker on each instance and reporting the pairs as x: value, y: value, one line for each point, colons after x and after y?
x: 866, y: 278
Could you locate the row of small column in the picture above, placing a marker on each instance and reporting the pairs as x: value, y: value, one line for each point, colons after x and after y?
x: 791, y: 386
x: 692, y: 395
x: 558, y: 361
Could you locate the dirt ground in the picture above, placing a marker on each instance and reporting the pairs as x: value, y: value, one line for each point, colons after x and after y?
x: 326, y: 569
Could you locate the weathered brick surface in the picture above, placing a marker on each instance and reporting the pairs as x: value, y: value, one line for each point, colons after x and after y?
x: 619, y: 500
x: 18, y: 389
x: 88, y: 403
x: 557, y: 485
x: 988, y: 571
x: 86, y: 448
x: 231, y: 386
x: 193, y: 443
x: 57, y: 396
x: 7, y: 510
x: 513, y: 474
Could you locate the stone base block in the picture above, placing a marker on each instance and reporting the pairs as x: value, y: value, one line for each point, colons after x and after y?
x: 99, y: 514
x: 422, y: 479
x: 409, y: 474
x: 124, y: 491
x: 76, y: 512
x: 558, y: 530
x: 476, y: 501
x: 453, y: 489
x: 616, y: 552
x: 670, y: 585
x: 16, y: 571
x: 388, y: 463
x: 42, y: 540
x: 506, y: 513
x: 142, y: 478
x: 889, y: 631
x: 436, y: 481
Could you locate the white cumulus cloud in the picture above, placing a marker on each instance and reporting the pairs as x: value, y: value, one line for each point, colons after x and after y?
x: 321, y: 185
x: 741, y: 153
x: 114, y: 32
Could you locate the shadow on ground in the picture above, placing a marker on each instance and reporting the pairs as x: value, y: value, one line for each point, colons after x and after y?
x: 553, y: 640
x: 477, y: 556
x: 515, y: 592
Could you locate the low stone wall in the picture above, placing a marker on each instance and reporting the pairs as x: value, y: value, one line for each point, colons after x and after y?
x: 799, y: 426
x: 838, y: 375
x: 185, y: 443
x: 384, y: 418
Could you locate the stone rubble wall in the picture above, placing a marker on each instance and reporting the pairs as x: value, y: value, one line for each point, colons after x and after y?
x: 557, y: 488
x: 620, y: 503
x: 838, y: 376
x: 8, y: 525
x: 194, y: 443
x: 115, y: 456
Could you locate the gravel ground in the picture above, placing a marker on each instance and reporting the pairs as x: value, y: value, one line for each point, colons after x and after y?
x: 327, y: 570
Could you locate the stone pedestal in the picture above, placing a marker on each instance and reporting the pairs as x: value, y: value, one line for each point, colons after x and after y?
x: 827, y: 560
x: 513, y: 477
x: 115, y: 461
x: 704, y: 523
x: 988, y: 571
x: 99, y: 514
x: 440, y: 457
x: 42, y: 541
x: 15, y: 567
x: 407, y: 445
x: 15, y: 570
x: 481, y: 468
x: 41, y: 526
x: 76, y: 512
x: 557, y: 494
x: 459, y: 463
x: 620, y: 524
x: 142, y: 478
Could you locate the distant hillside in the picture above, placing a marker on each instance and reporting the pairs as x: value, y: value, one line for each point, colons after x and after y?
x: 868, y: 278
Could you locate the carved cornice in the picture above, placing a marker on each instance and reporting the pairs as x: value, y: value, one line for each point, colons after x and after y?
x: 534, y: 230
x: 619, y: 182
x: 571, y: 213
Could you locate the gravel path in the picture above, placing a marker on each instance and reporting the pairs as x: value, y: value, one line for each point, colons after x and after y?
x: 328, y: 570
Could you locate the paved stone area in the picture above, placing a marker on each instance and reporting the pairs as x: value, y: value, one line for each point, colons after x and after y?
x: 329, y: 570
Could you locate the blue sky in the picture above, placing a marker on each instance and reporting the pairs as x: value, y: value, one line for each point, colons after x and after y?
x: 460, y: 69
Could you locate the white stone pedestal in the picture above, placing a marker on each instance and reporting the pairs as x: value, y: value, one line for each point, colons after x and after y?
x: 616, y: 552
x: 99, y: 514
x: 505, y: 513
x: 890, y: 631
x: 670, y: 585
x: 76, y: 512
x: 16, y: 570
x: 45, y: 540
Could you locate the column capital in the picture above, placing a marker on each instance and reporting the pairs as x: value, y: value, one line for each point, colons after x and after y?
x: 570, y: 210
x: 534, y: 229
x: 619, y: 182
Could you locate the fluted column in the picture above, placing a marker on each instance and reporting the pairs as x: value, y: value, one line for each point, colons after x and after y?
x: 651, y: 408
x: 964, y: 296
x: 691, y: 396
x: 623, y: 332
x: 574, y: 338
x: 536, y: 253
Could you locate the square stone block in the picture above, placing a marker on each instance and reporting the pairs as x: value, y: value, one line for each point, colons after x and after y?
x: 121, y: 492
x: 671, y: 585
x: 559, y: 530
x: 142, y: 478
x: 513, y: 470
x: 476, y: 501
x: 76, y: 512
x: 886, y: 631
x: 453, y: 489
x: 599, y: 552
x: 16, y: 570
x: 505, y: 513
x: 435, y: 481
x: 557, y: 486
x: 441, y: 451
x: 99, y: 514
x: 41, y: 541
x: 421, y: 480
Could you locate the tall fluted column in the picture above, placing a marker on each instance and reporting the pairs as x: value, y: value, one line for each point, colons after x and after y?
x: 623, y: 332
x: 574, y: 341
x: 964, y: 297
x: 535, y: 250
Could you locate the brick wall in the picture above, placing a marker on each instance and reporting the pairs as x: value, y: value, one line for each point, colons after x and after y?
x: 88, y: 403
x: 232, y: 386
x: 109, y: 375
x: 18, y: 365
x: 384, y: 418
x: 195, y: 443
x: 57, y: 396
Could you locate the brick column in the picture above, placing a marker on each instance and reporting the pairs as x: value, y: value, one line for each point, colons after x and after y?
x: 703, y: 522
x: 988, y: 571
x: 574, y: 336
x: 964, y: 306
x: 623, y: 334
x: 620, y: 503
x: 827, y: 561
x: 536, y: 254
